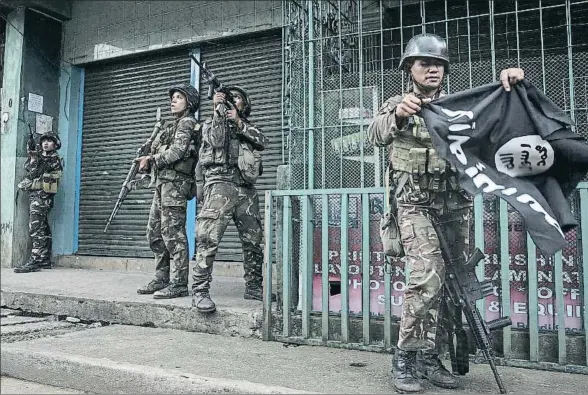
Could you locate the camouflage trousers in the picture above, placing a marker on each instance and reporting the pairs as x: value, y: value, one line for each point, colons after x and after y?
x: 40, y: 204
x: 224, y: 201
x: 166, y: 232
x: 426, y: 269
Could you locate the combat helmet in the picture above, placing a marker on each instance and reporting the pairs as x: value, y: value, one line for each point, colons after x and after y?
x: 425, y: 45
x: 247, y: 109
x: 191, y: 93
x: 53, y: 137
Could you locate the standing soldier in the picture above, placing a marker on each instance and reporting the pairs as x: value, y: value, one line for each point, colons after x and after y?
x: 173, y: 157
x: 423, y: 187
x: 44, y: 171
x: 228, y: 167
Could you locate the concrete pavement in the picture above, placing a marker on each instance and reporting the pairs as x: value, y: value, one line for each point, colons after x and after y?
x: 124, y: 359
x: 9, y: 385
x: 112, y: 297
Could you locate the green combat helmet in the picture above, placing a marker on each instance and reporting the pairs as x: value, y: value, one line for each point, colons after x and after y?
x: 191, y: 93
x: 425, y: 45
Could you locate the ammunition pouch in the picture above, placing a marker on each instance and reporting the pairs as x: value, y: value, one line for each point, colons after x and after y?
x: 50, y: 182
x: 390, y: 235
x: 427, y: 171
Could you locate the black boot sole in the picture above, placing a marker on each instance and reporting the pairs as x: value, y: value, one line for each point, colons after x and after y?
x: 408, y: 392
x: 207, y: 311
x: 145, y: 292
x: 28, y: 271
x: 178, y: 295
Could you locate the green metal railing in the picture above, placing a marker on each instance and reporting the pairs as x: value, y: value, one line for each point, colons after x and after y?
x: 300, y: 216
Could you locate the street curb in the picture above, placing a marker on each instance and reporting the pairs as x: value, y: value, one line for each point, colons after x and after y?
x: 105, y: 376
x: 228, y: 321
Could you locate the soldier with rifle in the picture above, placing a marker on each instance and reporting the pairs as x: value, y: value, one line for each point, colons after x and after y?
x: 44, y: 167
x: 426, y: 199
x: 229, y: 165
x: 171, y: 161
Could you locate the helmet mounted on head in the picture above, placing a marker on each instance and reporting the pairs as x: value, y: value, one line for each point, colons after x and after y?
x: 192, y: 96
x: 53, y: 137
x: 246, y: 101
x: 425, y: 45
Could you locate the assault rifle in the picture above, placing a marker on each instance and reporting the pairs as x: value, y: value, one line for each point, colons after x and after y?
x: 215, y: 86
x: 31, y: 145
x: 461, y: 290
x: 129, y: 182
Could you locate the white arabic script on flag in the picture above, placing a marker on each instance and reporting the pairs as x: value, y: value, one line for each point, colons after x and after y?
x: 476, y: 172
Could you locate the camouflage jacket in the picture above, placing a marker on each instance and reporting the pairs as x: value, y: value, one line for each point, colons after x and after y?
x: 219, y: 152
x: 42, y: 164
x: 415, y: 167
x: 175, y: 150
x: 44, y: 173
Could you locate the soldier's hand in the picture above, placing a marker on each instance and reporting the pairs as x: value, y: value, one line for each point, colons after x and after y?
x: 409, y: 106
x: 143, y: 163
x: 218, y: 98
x: 232, y: 115
x: 509, y: 77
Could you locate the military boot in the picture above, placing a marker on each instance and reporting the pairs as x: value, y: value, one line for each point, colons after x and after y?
x: 153, y: 286
x: 255, y: 293
x: 47, y: 264
x: 403, y: 370
x: 28, y: 267
x: 430, y: 367
x: 171, y: 292
x: 202, y: 301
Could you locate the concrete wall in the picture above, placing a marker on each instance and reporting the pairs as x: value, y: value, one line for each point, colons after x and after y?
x: 60, y: 9
x: 106, y: 29
x: 32, y: 66
x: 14, y: 238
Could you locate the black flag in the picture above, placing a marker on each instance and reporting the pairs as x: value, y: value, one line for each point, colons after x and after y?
x: 517, y: 145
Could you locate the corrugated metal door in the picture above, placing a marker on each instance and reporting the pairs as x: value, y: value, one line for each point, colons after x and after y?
x: 256, y: 65
x: 120, y: 102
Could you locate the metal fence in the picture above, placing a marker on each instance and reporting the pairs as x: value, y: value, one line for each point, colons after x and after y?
x: 336, y: 287
x: 340, y: 60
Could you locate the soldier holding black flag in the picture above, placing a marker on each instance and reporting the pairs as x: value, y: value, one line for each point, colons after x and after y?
x: 423, y: 186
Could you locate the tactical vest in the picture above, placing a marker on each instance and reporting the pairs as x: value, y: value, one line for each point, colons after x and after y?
x: 220, y: 145
x: 48, y: 182
x: 413, y: 153
x: 184, y: 167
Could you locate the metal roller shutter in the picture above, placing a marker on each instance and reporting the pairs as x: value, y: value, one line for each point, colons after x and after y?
x: 255, y: 64
x: 120, y: 102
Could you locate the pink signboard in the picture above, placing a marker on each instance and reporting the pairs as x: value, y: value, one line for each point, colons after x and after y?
x: 518, y: 274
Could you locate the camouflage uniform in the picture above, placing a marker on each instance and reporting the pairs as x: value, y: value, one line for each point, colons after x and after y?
x: 44, y: 172
x: 227, y: 195
x: 427, y: 188
x: 174, y: 153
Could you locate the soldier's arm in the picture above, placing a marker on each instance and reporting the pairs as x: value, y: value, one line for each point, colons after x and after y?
x: 37, y: 167
x: 253, y: 134
x: 179, y: 146
x: 384, y: 128
x: 54, y: 163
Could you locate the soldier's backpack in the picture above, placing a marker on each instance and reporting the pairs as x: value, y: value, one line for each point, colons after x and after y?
x: 249, y: 162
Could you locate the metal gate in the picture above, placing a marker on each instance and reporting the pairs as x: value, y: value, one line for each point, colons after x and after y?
x: 340, y: 63
x: 120, y: 102
x: 254, y: 64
